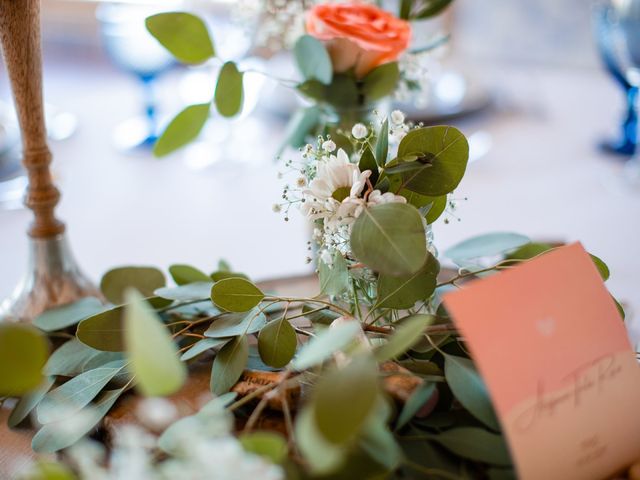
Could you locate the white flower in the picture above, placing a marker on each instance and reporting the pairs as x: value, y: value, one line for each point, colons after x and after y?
x: 328, y: 145
x: 359, y: 131
x: 378, y: 198
x: 276, y: 208
x: 397, y: 117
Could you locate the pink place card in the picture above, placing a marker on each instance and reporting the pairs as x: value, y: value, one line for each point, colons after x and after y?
x: 550, y: 344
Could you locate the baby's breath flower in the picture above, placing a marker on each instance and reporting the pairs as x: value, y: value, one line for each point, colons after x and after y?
x: 276, y: 208
x: 397, y: 117
x: 301, y: 182
x: 328, y: 145
x: 359, y: 131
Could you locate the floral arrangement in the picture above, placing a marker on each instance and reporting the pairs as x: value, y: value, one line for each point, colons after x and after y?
x: 352, y: 56
x: 367, y: 379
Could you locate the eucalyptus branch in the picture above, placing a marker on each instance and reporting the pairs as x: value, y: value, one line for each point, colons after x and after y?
x: 329, y: 305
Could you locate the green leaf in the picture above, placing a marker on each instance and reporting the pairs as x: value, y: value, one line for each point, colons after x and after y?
x: 378, y: 441
x: 28, y: 402
x: 405, y: 9
x: 405, y: 291
x: 68, y: 315
x: 430, y: 8
x: 344, y: 398
x: 234, y: 324
x: 602, y: 267
x: 390, y: 239
x: 313, y: 59
x: 58, y: 435
x: 184, y: 128
x: 69, y: 359
x: 529, y: 250
x: 277, y: 343
x: 334, y: 279
x: 202, y: 346
x: 229, y: 90
x: 382, y: 144
x: 236, y: 294
x: 619, y: 307
x: 301, y: 124
x: 470, y: 390
x: 442, y: 153
x: 152, y: 354
x: 416, y: 401
x: 229, y: 364
x: 487, y: 245
x: 144, y: 279
x: 270, y: 445
x: 407, y: 334
x: 183, y: 34
x: 103, y: 331
x: 224, y: 274
x: 186, y: 293
x: 438, y: 206
x: 71, y: 397
x: 381, y: 81
x: 342, y: 92
x: 23, y: 353
x: 186, y: 274
x: 325, y: 344
x: 368, y: 162
x: 322, y: 456
x: 475, y: 444
x: 314, y: 90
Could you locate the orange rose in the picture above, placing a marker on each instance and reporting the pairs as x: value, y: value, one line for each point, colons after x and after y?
x: 358, y: 35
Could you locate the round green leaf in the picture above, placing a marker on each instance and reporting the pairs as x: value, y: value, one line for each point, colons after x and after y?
x: 442, y: 153
x: 313, y: 59
x: 390, y: 239
x: 185, y: 274
x: 277, y: 343
x: 470, y: 390
x: 487, y: 245
x: 229, y: 91
x: 186, y: 293
x: 236, y: 294
x: 381, y: 81
x: 344, y: 398
x: 405, y: 291
x: 270, y: 445
x: 23, y: 354
x: 144, y: 279
x: 325, y: 344
x: 103, y: 331
x: 183, y: 34
x: 185, y: 127
x: 229, y: 364
x: 408, y: 333
x: 322, y: 456
x: 602, y: 267
x: 334, y: 279
x: 152, y: 354
x: 68, y: 315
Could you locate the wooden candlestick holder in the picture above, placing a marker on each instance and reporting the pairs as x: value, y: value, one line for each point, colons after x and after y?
x: 53, y: 278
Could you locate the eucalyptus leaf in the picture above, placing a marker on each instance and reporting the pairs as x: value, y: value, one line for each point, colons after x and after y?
x: 381, y: 81
x: 442, y: 154
x: 468, y: 387
x: 68, y: 315
x: 475, y: 444
x: 529, y: 250
x: 322, y: 316
x: 233, y: 324
x: 368, y: 162
x: 602, y: 267
x: 325, y: 344
x: 429, y: 8
x: 103, y: 331
x: 186, y: 274
x: 438, y: 206
x: 404, y: 291
x: 344, y: 398
x: 334, y: 278
x: 69, y: 359
x: 322, y: 456
x: 382, y: 144
x: 408, y: 333
x: 313, y: 59
x: 229, y: 90
x: 152, y: 354
x: 184, y: 128
x: 342, y: 93
x: 224, y: 274
x: 277, y: 343
x: 390, y: 239
x: 202, y: 346
x: 62, y: 434
x: 486, y: 245
x: 378, y: 441
x: 236, y: 294
x: 229, y: 364
x: 301, y: 124
x: 183, y: 34
x: 23, y: 354
x: 72, y: 396
x: 416, y: 401
x: 186, y: 293
x: 28, y: 402
x: 270, y: 445
x: 144, y: 279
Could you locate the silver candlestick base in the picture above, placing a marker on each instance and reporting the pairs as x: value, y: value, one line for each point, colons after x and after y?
x: 53, y: 279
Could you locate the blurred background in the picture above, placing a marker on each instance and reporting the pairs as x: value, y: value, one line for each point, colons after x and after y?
x: 522, y: 79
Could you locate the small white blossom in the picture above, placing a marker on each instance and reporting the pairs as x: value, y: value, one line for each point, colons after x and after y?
x: 301, y: 182
x: 276, y: 208
x: 397, y: 117
x: 359, y: 131
x: 156, y: 413
x: 328, y: 146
